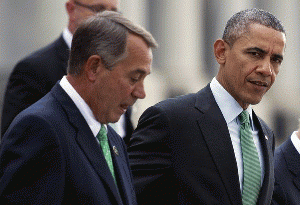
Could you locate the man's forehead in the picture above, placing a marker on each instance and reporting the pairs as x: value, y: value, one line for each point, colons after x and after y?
x: 107, y: 3
x: 264, y: 36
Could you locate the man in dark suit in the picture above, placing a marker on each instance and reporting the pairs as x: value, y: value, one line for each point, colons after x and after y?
x: 287, y: 171
x: 189, y: 150
x: 53, y: 152
x: 35, y: 75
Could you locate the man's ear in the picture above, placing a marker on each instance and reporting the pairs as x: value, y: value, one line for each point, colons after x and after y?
x: 93, y: 66
x: 220, y: 46
x: 70, y: 8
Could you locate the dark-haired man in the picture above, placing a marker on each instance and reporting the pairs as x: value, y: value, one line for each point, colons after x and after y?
x: 210, y: 147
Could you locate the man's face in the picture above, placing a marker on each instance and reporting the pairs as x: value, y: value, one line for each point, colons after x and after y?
x: 250, y: 66
x: 79, y: 10
x: 115, y: 90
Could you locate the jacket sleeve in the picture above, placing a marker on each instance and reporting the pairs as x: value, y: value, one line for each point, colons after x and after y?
x: 150, y: 158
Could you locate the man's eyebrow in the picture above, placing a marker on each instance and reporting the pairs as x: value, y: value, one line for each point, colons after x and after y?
x: 140, y: 71
x: 277, y: 56
x: 256, y: 49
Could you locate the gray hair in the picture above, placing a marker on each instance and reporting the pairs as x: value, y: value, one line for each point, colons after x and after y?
x: 240, y: 22
x: 104, y: 34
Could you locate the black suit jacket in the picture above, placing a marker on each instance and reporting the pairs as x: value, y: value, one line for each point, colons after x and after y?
x: 181, y: 153
x: 49, y: 155
x: 33, y: 77
x: 287, y: 175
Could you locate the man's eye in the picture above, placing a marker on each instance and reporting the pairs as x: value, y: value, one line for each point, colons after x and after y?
x: 254, y: 53
x: 134, y: 80
x: 277, y: 60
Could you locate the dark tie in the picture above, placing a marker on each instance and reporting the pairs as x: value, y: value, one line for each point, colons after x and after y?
x: 252, y: 169
x: 102, y: 137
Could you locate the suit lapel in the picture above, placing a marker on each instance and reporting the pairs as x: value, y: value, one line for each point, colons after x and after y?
x: 87, y: 141
x: 266, y: 141
x: 216, y: 135
x: 290, y: 154
x: 93, y: 152
x: 123, y: 175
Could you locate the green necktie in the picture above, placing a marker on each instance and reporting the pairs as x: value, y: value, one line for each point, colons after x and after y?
x: 252, y: 170
x: 102, y: 137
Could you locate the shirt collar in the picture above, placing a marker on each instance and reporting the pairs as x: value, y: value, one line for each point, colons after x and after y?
x: 67, y: 35
x: 82, y: 106
x: 229, y: 107
x: 296, y: 141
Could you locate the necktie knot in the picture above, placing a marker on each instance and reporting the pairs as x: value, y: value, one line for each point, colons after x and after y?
x: 244, y: 117
x: 102, y: 136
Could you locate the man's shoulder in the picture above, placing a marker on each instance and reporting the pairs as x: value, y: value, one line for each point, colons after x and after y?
x: 286, y: 148
x: 48, y: 110
x: 49, y: 61
x: 185, y: 100
x: 45, y: 106
x: 177, y: 101
x: 44, y: 53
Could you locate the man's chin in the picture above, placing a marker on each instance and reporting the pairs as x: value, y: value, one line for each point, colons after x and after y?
x: 255, y: 101
x: 115, y: 119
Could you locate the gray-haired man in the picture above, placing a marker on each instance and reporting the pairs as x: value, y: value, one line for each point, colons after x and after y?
x: 60, y: 150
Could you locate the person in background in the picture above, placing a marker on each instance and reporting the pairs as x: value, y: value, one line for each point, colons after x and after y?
x: 35, y: 75
x: 287, y: 171
x: 210, y: 147
x: 61, y: 150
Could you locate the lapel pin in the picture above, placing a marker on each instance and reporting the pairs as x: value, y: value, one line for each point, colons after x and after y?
x: 116, y: 150
x: 266, y: 137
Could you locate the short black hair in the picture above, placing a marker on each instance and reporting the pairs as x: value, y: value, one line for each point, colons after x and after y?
x: 239, y: 23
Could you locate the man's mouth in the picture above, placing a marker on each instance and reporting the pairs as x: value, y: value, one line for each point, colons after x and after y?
x: 259, y: 83
x: 124, y: 107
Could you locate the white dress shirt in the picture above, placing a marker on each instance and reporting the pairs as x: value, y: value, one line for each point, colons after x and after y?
x: 296, y: 141
x: 119, y: 126
x: 84, y: 109
x: 230, y: 110
x: 67, y: 35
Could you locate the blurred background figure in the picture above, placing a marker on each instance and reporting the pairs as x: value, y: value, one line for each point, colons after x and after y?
x: 184, y: 63
x: 287, y: 171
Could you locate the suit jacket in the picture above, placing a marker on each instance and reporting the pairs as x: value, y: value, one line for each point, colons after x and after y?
x: 287, y: 175
x: 181, y: 153
x: 49, y: 155
x: 33, y: 77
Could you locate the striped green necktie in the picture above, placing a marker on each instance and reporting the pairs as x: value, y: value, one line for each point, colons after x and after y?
x: 252, y: 169
x: 103, y: 140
